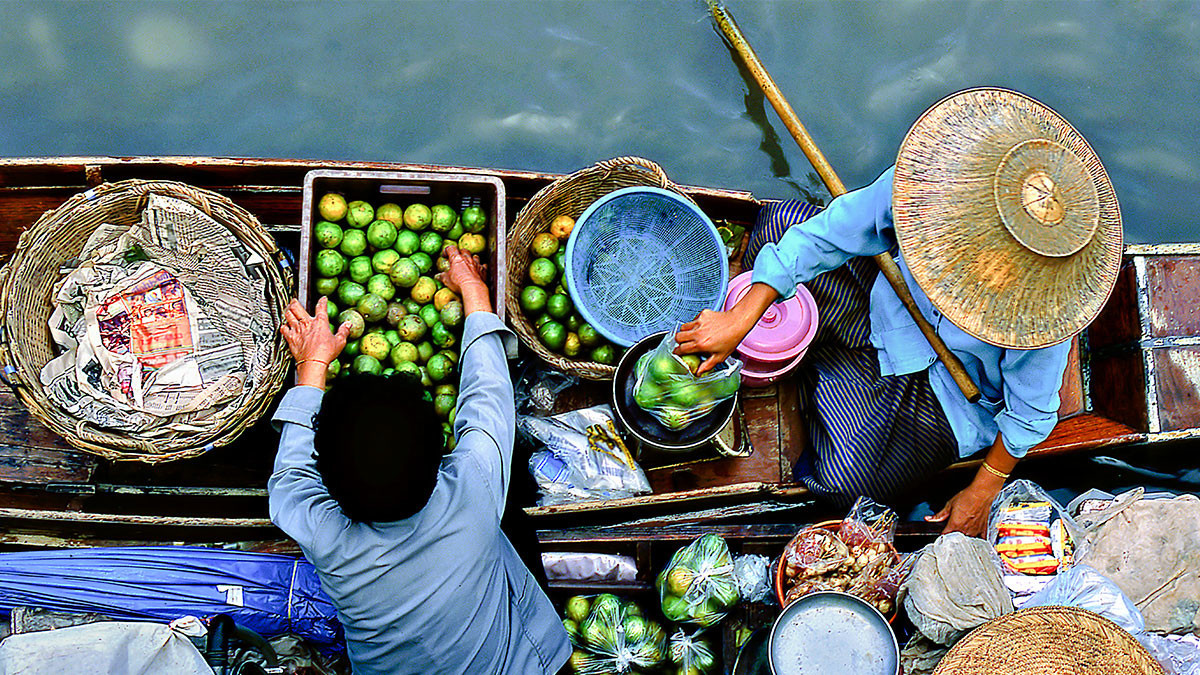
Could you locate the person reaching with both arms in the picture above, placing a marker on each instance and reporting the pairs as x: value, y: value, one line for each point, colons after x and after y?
x: 1009, y: 237
x: 406, y: 541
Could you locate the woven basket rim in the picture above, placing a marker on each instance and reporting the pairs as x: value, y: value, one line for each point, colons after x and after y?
x: 1063, y: 620
x: 164, y: 444
x: 526, y: 224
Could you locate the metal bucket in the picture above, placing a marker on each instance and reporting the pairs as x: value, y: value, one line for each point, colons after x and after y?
x: 832, y: 632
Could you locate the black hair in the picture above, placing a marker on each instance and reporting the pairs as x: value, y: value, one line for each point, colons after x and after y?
x: 379, y: 446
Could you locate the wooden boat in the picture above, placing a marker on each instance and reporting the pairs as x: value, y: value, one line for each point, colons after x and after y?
x: 1133, y: 381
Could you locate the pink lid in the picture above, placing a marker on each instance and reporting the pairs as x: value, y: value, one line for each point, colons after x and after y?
x: 785, y: 329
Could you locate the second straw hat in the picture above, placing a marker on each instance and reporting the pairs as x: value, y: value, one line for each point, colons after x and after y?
x: 1006, y: 218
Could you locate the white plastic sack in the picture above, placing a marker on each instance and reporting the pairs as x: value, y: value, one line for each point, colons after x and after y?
x: 1085, y: 588
x: 568, y: 566
x: 111, y: 647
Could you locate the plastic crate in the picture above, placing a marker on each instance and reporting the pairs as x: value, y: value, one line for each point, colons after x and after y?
x: 405, y: 187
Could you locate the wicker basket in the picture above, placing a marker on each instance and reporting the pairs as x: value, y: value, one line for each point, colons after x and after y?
x: 1049, y: 641
x: 29, y: 277
x: 569, y: 196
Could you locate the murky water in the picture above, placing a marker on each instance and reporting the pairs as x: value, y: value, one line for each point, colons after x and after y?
x: 557, y: 85
x: 554, y: 86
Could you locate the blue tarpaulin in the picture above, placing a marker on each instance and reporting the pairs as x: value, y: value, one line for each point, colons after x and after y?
x: 269, y: 594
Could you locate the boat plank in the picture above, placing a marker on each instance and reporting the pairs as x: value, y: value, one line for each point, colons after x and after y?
x: 1173, y: 283
x: 1177, y: 375
x: 1119, y: 322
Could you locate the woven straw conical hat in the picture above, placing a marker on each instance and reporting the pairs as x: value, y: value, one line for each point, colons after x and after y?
x: 1006, y: 218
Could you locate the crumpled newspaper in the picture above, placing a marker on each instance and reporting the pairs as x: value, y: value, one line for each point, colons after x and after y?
x: 1150, y: 548
x: 954, y: 586
x: 157, y: 319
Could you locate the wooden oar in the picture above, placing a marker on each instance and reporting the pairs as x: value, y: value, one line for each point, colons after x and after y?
x: 887, y: 265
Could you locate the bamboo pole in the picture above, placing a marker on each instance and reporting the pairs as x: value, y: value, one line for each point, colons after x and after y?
x: 891, y: 271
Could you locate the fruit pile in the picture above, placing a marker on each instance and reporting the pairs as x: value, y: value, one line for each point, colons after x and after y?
x: 376, y: 266
x: 546, y: 302
x: 697, y: 585
x: 611, y: 635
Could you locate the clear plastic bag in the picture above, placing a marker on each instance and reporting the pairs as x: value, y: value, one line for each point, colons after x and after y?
x: 537, y: 388
x: 691, y: 654
x: 697, y: 585
x: 752, y: 573
x: 1178, y: 655
x: 611, y: 635
x: 584, y: 458
x: 1031, y: 531
x: 1085, y: 588
x: 666, y: 388
x: 858, y: 557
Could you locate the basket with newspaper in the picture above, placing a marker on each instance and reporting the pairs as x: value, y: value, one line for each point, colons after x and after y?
x: 140, y: 320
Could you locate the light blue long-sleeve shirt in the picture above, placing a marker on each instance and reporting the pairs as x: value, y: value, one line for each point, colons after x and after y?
x: 1019, y: 388
x: 442, y: 591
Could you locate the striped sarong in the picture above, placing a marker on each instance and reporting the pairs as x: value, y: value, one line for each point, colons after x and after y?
x: 869, y: 434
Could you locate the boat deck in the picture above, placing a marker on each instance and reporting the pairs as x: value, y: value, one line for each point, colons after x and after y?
x: 1133, y: 379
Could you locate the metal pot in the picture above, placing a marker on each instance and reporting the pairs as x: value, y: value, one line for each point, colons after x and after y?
x: 642, y: 424
x: 832, y: 632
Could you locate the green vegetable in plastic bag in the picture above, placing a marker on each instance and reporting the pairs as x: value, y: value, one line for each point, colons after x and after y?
x: 666, y: 388
x: 698, y: 585
x: 611, y: 635
x: 691, y: 654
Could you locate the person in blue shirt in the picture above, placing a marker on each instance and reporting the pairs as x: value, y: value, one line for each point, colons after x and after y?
x: 406, y: 541
x: 1024, y: 205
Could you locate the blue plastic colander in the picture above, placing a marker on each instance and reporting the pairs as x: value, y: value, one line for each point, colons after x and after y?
x: 642, y: 260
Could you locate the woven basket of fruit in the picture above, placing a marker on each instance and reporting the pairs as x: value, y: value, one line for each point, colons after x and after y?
x: 538, y: 303
x: 141, y: 320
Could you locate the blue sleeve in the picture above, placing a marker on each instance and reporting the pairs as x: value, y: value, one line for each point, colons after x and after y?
x: 858, y: 223
x: 297, y: 501
x: 485, y: 421
x: 1032, y: 379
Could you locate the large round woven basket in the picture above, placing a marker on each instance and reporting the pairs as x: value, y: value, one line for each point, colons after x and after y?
x: 1049, y: 641
x: 569, y: 196
x: 30, y: 276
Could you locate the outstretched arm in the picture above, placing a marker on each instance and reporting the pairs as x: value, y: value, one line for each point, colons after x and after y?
x: 484, y: 423
x: 297, y: 499
x: 968, y: 511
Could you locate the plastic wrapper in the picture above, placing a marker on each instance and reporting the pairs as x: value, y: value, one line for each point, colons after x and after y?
x: 697, y: 585
x: 1085, y: 588
x: 691, y: 654
x: 955, y: 585
x: 584, y: 458
x: 611, y: 635
x: 666, y: 388
x: 1031, y: 531
x: 1177, y: 655
x: 537, y: 388
x: 752, y: 573
x: 857, y: 556
x: 578, y: 566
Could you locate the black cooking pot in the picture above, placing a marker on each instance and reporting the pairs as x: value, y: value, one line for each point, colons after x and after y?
x: 648, y: 430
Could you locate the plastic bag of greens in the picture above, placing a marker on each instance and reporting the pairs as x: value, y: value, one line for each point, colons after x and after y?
x: 697, y: 585
x: 691, y: 654
x: 611, y: 635
x: 666, y: 387
x: 584, y: 457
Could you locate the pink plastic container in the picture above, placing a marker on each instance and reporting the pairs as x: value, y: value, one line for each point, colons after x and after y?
x: 781, y: 337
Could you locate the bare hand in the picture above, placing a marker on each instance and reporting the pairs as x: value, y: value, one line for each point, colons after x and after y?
x: 714, y: 333
x: 311, y: 340
x: 967, y: 511
x: 465, y: 277
x: 464, y: 270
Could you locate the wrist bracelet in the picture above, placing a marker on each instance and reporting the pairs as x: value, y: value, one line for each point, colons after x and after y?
x: 303, y: 361
x: 992, y: 470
